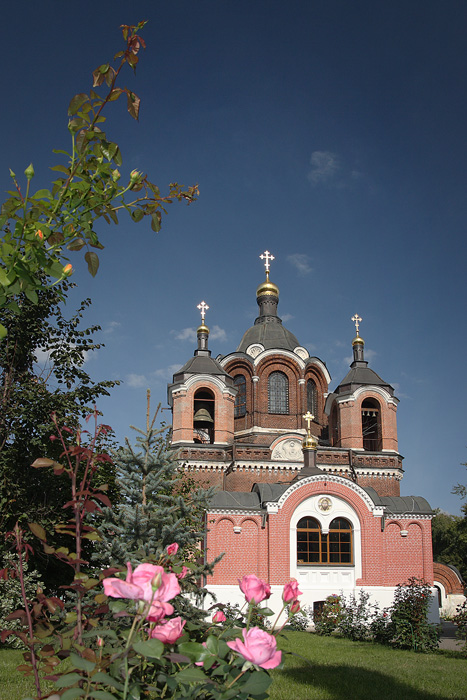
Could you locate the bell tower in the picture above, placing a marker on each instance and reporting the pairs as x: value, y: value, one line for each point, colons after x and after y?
x: 202, y: 397
x: 362, y: 410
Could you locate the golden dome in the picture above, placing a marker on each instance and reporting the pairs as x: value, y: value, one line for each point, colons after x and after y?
x: 203, y: 328
x: 267, y: 288
x: 358, y: 341
x: 309, y: 442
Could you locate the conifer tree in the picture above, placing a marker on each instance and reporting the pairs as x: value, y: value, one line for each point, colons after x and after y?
x: 159, y: 506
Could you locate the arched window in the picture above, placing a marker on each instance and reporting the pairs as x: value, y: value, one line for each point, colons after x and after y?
x: 314, y: 547
x: 371, y: 425
x: 203, y: 416
x: 278, y: 393
x: 312, y: 398
x: 240, y: 399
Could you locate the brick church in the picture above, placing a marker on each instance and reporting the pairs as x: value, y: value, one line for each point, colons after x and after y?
x: 308, y: 479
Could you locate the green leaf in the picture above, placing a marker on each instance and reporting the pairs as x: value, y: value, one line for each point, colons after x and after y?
x: 266, y: 611
x: 153, y: 648
x: 76, y: 244
x: 68, y: 679
x: 42, y: 194
x: 93, y: 262
x: 101, y: 677
x: 4, y: 278
x: 194, y: 651
x: 137, y: 214
x: 3, y: 331
x: 102, y: 695
x: 31, y: 295
x: 156, y: 221
x: 82, y: 664
x: 61, y: 169
x: 191, y: 675
x: 72, y: 693
x: 257, y: 683
x: 76, y: 103
x: 38, y: 531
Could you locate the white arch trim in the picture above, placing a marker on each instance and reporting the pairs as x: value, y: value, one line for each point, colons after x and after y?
x: 205, y: 380
x: 329, y: 478
x: 363, y: 389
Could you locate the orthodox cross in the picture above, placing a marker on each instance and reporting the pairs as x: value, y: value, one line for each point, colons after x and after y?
x: 356, y: 319
x: 203, y: 307
x: 308, y: 417
x: 267, y: 257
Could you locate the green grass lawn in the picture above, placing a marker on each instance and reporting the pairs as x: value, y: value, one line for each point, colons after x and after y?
x: 337, y: 669
x: 330, y: 669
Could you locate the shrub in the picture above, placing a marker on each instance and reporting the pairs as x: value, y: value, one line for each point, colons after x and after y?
x: 355, y: 617
x: 301, y: 620
x: 409, y: 617
x: 330, y: 616
x: 460, y: 619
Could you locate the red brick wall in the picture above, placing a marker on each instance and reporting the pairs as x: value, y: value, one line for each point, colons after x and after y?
x: 387, y: 558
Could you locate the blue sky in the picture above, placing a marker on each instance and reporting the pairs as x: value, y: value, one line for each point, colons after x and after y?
x: 331, y: 133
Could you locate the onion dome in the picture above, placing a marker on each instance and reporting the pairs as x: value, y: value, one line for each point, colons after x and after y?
x: 268, y: 330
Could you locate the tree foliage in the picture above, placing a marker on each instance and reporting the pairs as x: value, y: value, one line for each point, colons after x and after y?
x: 158, y: 506
x: 39, y: 228
x: 30, y: 393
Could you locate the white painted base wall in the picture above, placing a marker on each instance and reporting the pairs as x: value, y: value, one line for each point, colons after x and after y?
x: 381, y: 595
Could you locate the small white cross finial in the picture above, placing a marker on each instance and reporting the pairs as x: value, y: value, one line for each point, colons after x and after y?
x: 266, y: 256
x: 203, y: 307
x: 357, y: 320
x: 308, y: 417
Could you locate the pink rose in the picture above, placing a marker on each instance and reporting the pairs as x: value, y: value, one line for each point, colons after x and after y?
x: 168, y: 632
x: 290, y: 591
x: 295, y: 607
x: 140, y: 582
x: 219, y: 616
x: 254, y: 588
x: 158, y: 611
x: 259, y: 647
x: 183, y: 572
x: 172, y: 549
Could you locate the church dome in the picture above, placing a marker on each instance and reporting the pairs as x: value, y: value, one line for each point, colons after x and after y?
x: 268, y: 329
x: 269, y: 334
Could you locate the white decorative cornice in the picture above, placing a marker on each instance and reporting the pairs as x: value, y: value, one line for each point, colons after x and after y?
x: 279, y: 351
x: 364, y: 389
x: 205, y: 379
x: 233, y: 511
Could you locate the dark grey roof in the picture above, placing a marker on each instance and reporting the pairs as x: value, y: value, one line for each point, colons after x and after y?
x: 266, y: 493
x: 398, y: 505
x: 361, y: 376
x: 270, y: 492
x: 236, y: 499
x: 201, y: 364
x: 271, y: 334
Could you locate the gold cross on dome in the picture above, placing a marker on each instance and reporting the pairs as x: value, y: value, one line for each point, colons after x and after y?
x: 308, y: 417
x: 267, y: 257
x: 203, y: 307
x: 357, y: 320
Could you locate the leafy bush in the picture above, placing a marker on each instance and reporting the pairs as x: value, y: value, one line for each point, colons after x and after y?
x: 460, y: 619
x: 301, y: 620
x: 10, y: 594
x: 356, y: 616
x: 328, y: 620
x: 236, y: 618
x: 409, y: 617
